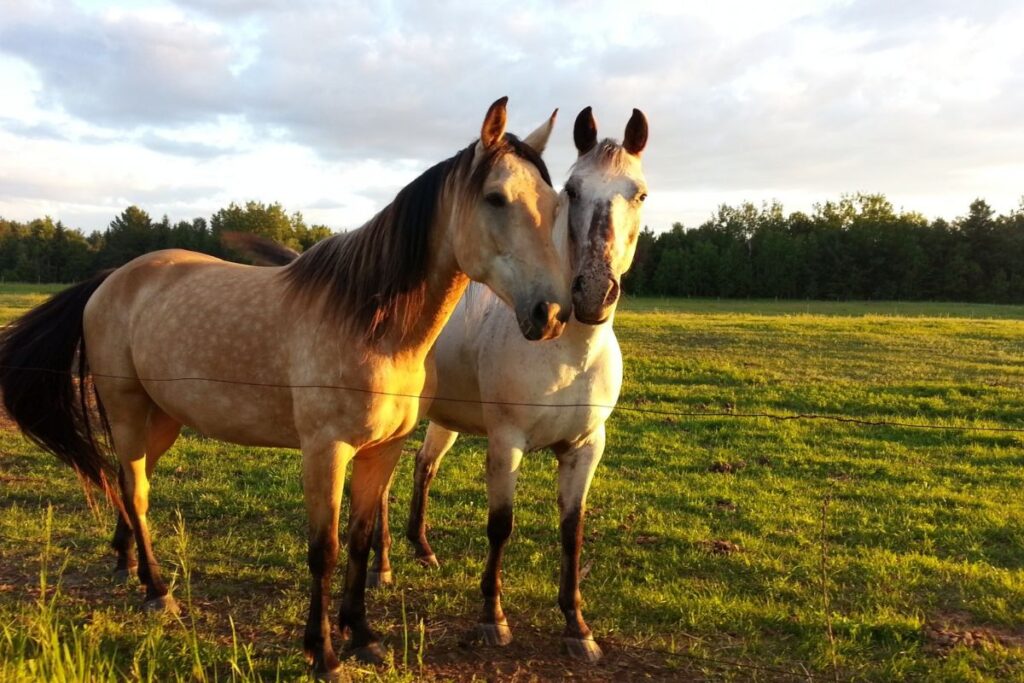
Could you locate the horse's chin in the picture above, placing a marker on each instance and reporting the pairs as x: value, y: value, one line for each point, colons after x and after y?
x: 592, y: 321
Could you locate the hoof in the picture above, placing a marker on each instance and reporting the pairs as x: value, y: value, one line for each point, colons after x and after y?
x: 498, y: 635
x: 429, y: 561
x: 165, y: 604
x: 583, y: 649
x: 123, y: 575
x: 367, y: 654
x: 376, y: 579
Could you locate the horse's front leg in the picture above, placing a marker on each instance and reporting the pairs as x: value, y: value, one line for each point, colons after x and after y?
x: 504, y: 454
x: 323, y: 479
x: 371, y: 472
x: 575, y: 471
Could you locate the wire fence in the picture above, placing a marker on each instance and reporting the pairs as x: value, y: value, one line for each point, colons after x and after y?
x: 660, y: 412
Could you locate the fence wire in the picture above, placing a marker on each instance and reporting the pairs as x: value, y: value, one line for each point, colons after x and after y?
x: 660, y: 412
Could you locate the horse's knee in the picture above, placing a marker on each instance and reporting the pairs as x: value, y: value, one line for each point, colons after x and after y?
x: 322, y: 555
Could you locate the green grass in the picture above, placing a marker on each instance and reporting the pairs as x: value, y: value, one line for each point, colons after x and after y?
x: 16, y: 298
x: 923, y: 530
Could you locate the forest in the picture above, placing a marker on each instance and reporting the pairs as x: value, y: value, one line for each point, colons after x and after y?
x: 42, y: 250
x: 856, y: 248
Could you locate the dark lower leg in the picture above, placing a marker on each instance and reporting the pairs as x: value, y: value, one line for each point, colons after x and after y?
x: 371, y: 472
x: 122, y: 541
x: 499, y: 529
x: 135, y: 491
x: 416, y: 530
x: 123, y: 546
x: 569, y: 583
x: 382, y: 541
x: 149, y: 569
x: 353, y: 604
x: 322, y: 559
x: 575, y: 471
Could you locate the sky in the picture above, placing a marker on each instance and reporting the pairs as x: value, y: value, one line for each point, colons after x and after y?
x: 182, y: 106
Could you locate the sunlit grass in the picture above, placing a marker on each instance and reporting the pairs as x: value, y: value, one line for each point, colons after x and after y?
x: 924, y: 529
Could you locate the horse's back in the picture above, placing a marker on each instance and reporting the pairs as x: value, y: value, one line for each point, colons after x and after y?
x: 168, y: 288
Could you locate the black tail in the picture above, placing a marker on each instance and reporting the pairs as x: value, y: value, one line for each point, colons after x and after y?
x: 47, y: 393
x: 260, y: 250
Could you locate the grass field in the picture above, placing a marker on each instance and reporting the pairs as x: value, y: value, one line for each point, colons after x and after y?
x: 709, y: 540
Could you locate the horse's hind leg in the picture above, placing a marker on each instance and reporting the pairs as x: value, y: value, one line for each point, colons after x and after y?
x: 436, y: 443
x: 127, y: 562
x: 380, y: 571
x: 161, y: 434
x: 129, y: 408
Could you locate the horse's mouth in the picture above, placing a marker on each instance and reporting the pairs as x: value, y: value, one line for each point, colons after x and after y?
x: 589, y: 321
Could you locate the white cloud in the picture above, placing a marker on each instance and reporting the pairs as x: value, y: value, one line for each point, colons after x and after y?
x: 331, y: 107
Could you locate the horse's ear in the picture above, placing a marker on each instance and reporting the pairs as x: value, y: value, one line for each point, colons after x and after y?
x: 584, y: 132
x: 493, y: 130
x: 538, y: 139
x: 636, y: 133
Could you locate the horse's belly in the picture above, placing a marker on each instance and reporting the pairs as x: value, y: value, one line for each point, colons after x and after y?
x: 463, y: 416
x: 248, y: 415
x: 550, y: 426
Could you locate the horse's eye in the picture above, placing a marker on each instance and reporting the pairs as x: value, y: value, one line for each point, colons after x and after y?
x: 571, y: 191
x: 641, y: 197
x: 496, y: 199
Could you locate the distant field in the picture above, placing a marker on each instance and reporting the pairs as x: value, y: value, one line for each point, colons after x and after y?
x: 705, y: 536
x: 905, y: 309
x: 16, y: 298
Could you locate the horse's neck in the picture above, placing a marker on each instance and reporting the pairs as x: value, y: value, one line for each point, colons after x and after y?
x: 585, y: 339
x: 445, y: 285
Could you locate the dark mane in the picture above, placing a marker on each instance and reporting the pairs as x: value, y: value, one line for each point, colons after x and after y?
x: 376, y: 276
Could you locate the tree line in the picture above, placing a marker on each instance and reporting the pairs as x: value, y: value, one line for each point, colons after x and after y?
x: 858, y: 247
x: 42, y: 250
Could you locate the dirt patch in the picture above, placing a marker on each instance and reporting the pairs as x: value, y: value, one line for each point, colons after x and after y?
x: 720, y: 547
x: 534, y: 655
x: 948, y: 631
x: 646, y: 539
x: 723, y: 467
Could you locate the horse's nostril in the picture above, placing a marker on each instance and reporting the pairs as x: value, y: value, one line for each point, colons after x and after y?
x: 613, y: 293
x: 577, y: 284
x: 540, y: 313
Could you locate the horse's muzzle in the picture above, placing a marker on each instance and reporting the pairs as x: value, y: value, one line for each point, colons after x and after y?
x: 546, y: 321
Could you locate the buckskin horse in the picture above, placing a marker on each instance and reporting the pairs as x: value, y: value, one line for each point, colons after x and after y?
x: 327, y: 354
